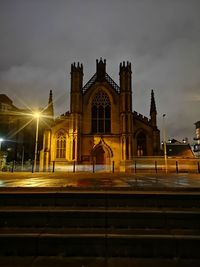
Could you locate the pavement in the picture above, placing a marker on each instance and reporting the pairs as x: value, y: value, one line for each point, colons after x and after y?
x: 84, y: 180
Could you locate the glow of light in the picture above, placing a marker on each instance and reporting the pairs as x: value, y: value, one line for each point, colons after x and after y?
x: 36, y: 115
x: 1, y: 139
x: 28, y: 113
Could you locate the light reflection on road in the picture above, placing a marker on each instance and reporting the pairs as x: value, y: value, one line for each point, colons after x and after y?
x: 99, y: 181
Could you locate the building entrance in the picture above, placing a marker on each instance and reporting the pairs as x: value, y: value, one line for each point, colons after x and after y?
x: 100, y: 155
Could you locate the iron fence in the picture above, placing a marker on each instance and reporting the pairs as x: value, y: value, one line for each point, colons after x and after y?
x: 135, y: 165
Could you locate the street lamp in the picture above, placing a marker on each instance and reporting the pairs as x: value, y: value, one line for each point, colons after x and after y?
x: 164, y: 143
x: 37, y: 116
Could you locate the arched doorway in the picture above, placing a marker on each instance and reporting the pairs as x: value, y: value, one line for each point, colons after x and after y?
x: 100, y: 155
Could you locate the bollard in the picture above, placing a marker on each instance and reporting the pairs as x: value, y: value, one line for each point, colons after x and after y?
x: 74, y: 166
x: 93, y: 167
x: 156, y: 169
x: 135, y: 166
x: 32, y: 166
x: 176, y: 166
x: 53, y: 170
x: 13, y: 164
x: 113, y: 166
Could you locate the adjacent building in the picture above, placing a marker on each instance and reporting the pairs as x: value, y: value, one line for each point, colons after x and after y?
x: 18, y: 130
x: 177, y: 149
x: 197, y: 139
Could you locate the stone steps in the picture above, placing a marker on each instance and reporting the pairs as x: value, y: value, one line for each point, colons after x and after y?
x: 99, y: 231
x: 100, y: 245
x: 101, y: 225
x: 94, y: 218
x: 52, y: 261
x: 100, y: 199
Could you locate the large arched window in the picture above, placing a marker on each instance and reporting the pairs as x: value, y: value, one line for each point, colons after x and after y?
x: 101, y: 113
x: 60, y: 145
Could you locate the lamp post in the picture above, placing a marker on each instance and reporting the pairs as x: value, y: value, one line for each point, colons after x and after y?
x: 37, y: 116
x: 164, y: 143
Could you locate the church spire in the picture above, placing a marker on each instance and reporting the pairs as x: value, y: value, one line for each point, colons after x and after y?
x: 50, y: 97
x: 153, y: 111
x: 50, y: 109
x: 153, y: 104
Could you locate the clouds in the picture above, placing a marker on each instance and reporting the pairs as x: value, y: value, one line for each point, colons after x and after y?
x: 41, y: 38
x: 175, y: 77
x: 30, y: 85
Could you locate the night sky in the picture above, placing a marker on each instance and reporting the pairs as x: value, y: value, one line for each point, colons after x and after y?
x: 161, y: 38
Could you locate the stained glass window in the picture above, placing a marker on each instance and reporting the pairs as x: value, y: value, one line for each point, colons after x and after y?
x: 101, y: 113
x: 60, y: 145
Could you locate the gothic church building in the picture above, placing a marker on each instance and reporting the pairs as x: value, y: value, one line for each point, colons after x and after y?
x: 101, y: 126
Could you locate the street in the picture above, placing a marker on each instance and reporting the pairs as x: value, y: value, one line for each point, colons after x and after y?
x: 99, y: 180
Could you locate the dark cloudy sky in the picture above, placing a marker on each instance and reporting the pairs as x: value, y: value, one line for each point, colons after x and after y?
x: 39, y: 39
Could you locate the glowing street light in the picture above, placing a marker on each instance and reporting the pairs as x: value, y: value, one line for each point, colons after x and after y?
x: 164, y: 143
x: 37, y: 116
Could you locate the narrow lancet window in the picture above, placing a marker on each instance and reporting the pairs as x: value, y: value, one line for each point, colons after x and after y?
x: 60, y: 145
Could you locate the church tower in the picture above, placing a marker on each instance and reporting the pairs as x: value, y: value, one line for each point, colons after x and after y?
x: 153, y: 122
x: 76, y: 87
x: 100, y: 70
x: 50, y: 109
x: 153, y: 111
x: 76, y: 110
x: 126, y: 120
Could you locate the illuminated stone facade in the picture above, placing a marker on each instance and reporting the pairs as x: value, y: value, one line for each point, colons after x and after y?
x: 101, y: 126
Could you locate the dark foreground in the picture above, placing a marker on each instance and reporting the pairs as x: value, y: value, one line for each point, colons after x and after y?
x: 107, y: 227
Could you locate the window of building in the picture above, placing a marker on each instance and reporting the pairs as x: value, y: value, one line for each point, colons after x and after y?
x: 101, y: 113
x: 4, y: 107
x: 61, y: 145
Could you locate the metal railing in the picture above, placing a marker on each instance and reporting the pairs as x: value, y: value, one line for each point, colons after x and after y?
x: 136, y: 165
x: 93, y: 80
x: 112, y: 83
x: 89, y: 83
